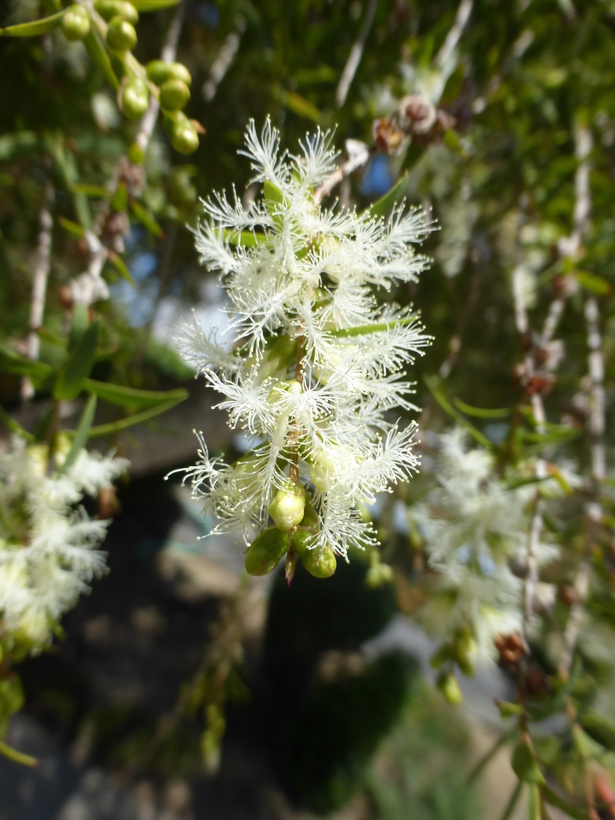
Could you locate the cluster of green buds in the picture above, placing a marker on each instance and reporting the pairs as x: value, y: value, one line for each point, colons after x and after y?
x: 461, y: 651
x: 295, y: 524
x: 107, y: 30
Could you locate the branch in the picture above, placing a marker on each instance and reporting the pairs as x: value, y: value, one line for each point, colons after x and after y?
x: 39, y: 283
x: 223, y: 61
x: 452, y: 39
x: 354, y: 58
x: 358, y: 155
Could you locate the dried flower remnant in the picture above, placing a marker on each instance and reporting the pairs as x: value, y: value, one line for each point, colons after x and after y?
x: 317, y: 365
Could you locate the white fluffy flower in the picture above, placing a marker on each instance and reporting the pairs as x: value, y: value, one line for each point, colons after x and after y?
x: 317, y: 365
x: 48, y: 548
x: 476, y: 528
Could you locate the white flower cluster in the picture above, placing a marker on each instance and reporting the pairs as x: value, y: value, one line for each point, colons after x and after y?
x: 48, y: 548
x: 316, y: 365
x: 476, y: 529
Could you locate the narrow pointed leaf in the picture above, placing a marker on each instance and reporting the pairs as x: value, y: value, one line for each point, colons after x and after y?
x: 554, y: 799
x: 78, y: 367
x: 34, y: 28
x: 12, y: 362
x: 147, y: 219
x: 480, y: 412
x: 100, y: 57
x: 15, y: 426
x: 153, y: 5
x: 130, y: 397
x: 130, y: 421
x: 383, y: 206
x: 81, y: 434
x: 17, y: 757
x: 120, y: 266
x: 512, y: 803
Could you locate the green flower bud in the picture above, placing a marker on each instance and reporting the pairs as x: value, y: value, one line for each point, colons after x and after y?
x: 310, y: 516
x: 288, y: 507
x: 319, y: 562
x: 321, y: 472
x: 184, y: 137
x: 135, y: 98
x: 448, y: 684
x: 108, y: 9
x: 121, y: 35
x: 174, y: 94
x: 266, y: 550
x: 76, y: 23
x: 159, y: 72
x: 136, y: 154
x: 378, y: 576
x: 465, y: 650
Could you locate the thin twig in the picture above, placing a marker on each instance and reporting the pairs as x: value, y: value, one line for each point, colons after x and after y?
x: 452, y: 39
x: 223, y: 61
x: 593, y: 509
x: 357, y: 158
x: 354, y: 58
x: 40, y: 277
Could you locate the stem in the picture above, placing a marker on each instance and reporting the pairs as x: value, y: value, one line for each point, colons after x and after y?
x: 39, y: 284
x: 223, y: 61
x: 452, y: 38
x: 354, y: 58
x: 17, y: 757
x: 356, y: 159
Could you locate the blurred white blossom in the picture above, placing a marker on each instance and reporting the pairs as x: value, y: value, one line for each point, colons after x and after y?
x: 48, y: 546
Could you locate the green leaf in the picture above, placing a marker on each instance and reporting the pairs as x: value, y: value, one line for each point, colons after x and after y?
x: 599, y: 728
x: 100, y: 56
x: 512, y: 803
x: 594, y: 284
x: 554, y: 799
x: 34, y: 28
x: 14, y: 144
x: 119, y: 200
x: 15, y: 426
x: 452, y: 140
x: 146, y: 218
x: 97, y: 191
x: 524, y: 764
x: 78, y: 367
x: 532, y: 808
x: 480, y: 412
x: 380, y: 327
x: 72, y: 227
x: 586, y: 747
x: 509, y: 709
x: 439, y: 396
x: 153, y: 5
x: 132, y: 398
x: 130, y: 421
x: 248, y: 239
x: 81, y: 434
x: 273, y: 195
x: 120, y: 266
x: 383, y: 206
x: 300, y: 106
x: 79, y: 323
x: 12, y: 362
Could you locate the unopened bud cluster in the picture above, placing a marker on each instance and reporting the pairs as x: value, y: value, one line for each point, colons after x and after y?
x: 315, y: 373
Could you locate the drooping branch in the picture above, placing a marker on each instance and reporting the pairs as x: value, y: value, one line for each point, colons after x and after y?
x: 40, y: 277
x: 356, y: 53
x: 454, y: 36
x: 223, y: 61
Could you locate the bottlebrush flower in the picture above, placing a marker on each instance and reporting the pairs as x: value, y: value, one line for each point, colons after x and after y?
x: 48, y: 547
x: 317, y: 366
